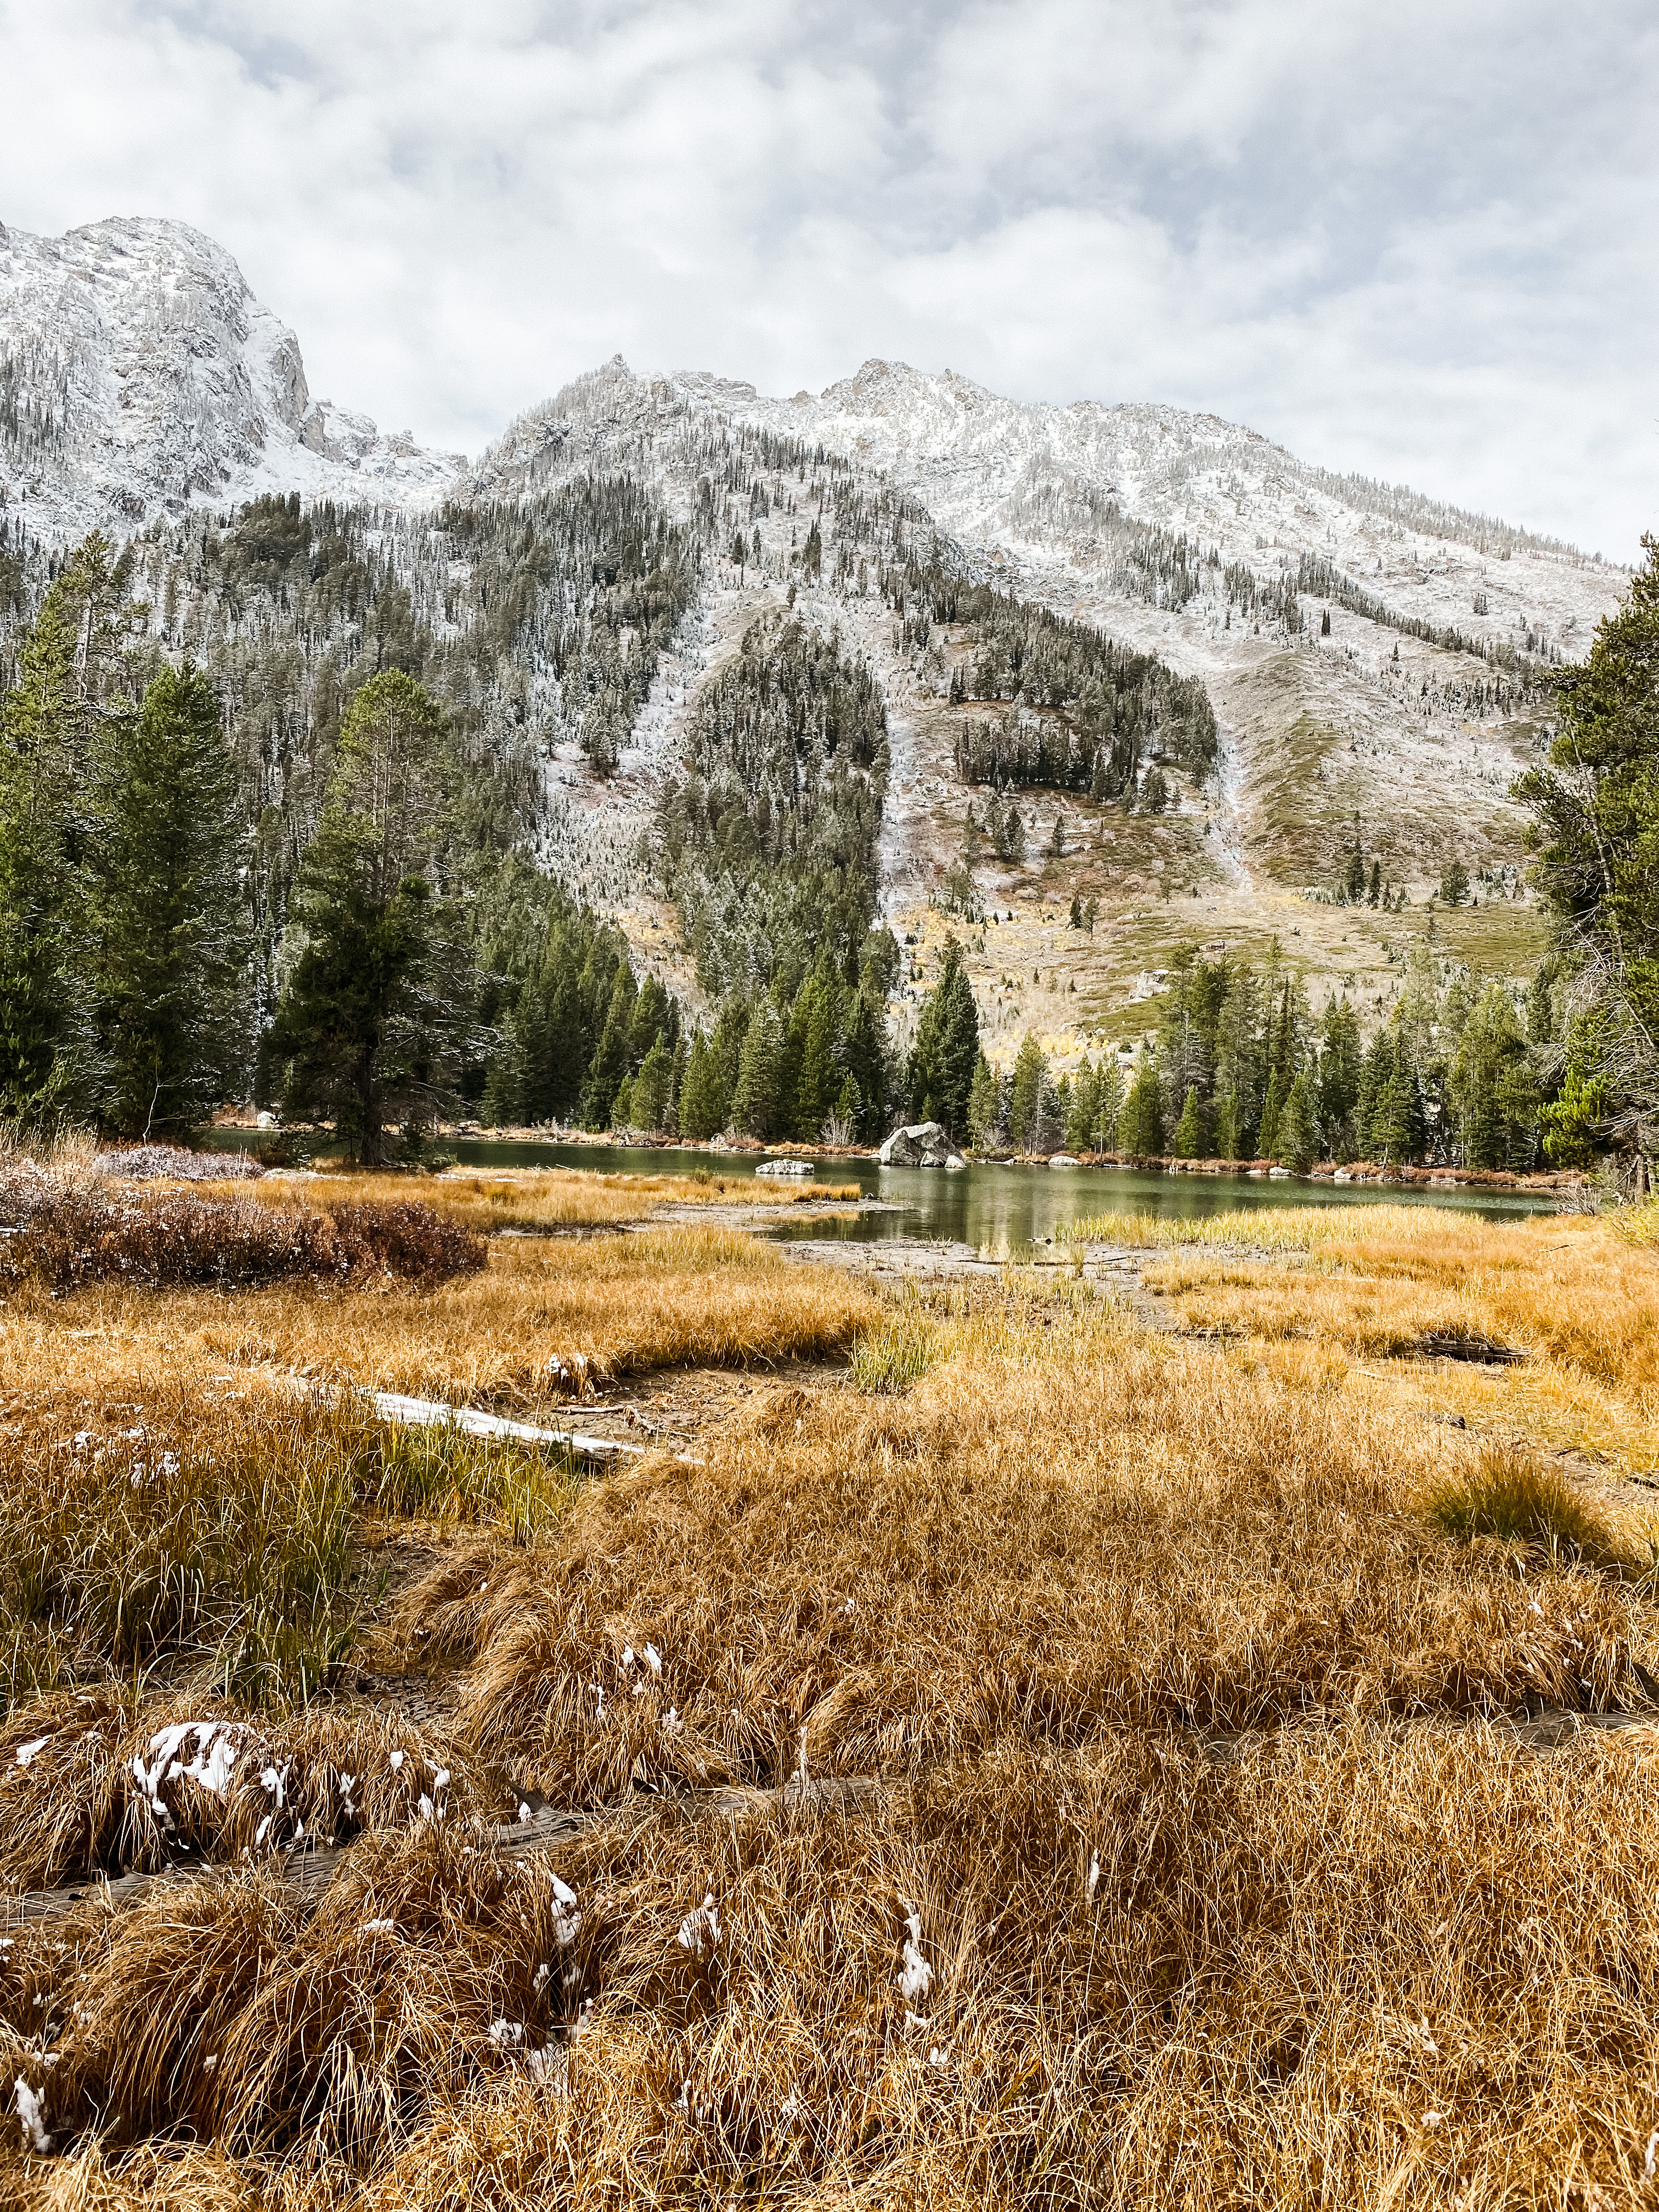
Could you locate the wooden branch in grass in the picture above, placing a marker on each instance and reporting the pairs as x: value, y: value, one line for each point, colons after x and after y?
x: 311, y: 1871
x: 469, y: 1421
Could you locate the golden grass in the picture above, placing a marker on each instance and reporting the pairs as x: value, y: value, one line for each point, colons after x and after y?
x: 656, y: 1299
x: 1353, y: 1972
x: 1057, y: 1533
x: 1229, y: 1886
x: 550, y: 1198
x: 1579, y: 1298
x: 77, y: 1805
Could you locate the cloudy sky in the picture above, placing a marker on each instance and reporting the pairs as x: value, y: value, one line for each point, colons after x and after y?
x: 1420, y: 240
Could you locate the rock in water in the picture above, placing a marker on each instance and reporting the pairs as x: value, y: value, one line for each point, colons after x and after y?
x: 923, y: 1145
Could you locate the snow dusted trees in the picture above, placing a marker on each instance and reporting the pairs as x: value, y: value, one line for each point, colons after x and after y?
x: 1596, y: 836
x: 367, y: 1022
x: 123, y: 937
x: 170, y: 915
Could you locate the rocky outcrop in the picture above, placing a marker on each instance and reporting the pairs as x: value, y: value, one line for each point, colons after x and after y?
x: 922, y: 1144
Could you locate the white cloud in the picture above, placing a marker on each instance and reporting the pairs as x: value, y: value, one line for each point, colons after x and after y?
x: 1414, y: 240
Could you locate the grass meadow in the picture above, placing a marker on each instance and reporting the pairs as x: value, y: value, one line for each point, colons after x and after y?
x: 1204, y: 1672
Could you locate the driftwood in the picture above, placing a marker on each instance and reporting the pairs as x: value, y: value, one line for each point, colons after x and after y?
x: 312, y: 1870
x: 1442, y: 1345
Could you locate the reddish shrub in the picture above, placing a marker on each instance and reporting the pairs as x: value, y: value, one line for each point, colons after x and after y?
x: 82, y: 1237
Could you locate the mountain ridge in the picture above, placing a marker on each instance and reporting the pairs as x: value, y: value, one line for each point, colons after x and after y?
x: 1372, y: 656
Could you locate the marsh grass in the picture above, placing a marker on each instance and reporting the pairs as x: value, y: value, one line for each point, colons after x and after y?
x: 889, y: 1357
x: 1151, y: 1979
x: 221, y: 1541
x: 77, y: 1804
x: 555, y: 1198
x: 225, y: 1540
x: 1228, y: 1889
x: 443, y: 1474
x: 1057, y: 1532
x: 1508, y: 1491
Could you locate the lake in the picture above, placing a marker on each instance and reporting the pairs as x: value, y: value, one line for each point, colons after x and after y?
x: 995, y: 1209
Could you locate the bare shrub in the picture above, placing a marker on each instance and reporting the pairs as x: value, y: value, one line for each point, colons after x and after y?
x: 73, y: 1236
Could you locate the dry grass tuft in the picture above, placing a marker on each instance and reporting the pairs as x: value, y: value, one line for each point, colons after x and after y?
x: 1507, y: 1492
x: 220, y: 1535
x: 1057, y: 1533
x: 1147, y: 1978
x: 109, y: 1785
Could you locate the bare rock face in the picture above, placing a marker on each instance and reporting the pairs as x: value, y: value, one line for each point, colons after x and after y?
x: 139, y: 375
x: 923, y: 1145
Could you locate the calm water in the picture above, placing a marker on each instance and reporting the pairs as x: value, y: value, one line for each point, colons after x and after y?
x: 1000, y: 1210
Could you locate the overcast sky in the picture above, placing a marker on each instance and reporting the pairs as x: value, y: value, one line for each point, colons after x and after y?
x: 1418, y: 239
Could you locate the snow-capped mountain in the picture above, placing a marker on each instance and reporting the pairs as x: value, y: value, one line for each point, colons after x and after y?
x: 1371, y: 654
x: 1044, y: 484
x: 138, y: 373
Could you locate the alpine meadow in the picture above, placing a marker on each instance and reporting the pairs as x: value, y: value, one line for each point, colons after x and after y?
x: 829, y: 1300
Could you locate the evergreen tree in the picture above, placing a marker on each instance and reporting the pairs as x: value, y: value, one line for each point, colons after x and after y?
x: 1190, y: 1138
x: 1025, y: 1096
x: 1492, y: 1088
x: 702, y: 1095
x: 72, y: 692
x: 982, y: 1103
x: 755, y: 1095
x: 1267, y: 1140
x: 815, y: 1027
x: 864, y: 1055
x: 170, y: 918
x: 946, y: 1049
x: 371, y: 1003
x: 1226, y: 1127
x: 1140, y: 1125
x: 1397, y: 1124
x: 653, y: 1087
x: 608, y: 1068
x: 1341, y: 1061
x: 1298, y: 1131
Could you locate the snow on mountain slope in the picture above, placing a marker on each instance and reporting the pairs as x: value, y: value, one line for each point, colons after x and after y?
x: 138, y: 373
x: 1042, y: 481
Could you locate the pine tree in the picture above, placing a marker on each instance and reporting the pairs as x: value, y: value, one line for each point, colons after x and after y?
x: 1354, y: 883
x: 864, y: 1054
x: 1140, y: 1125
x: 1226, y: 1127
x: 72, y: 692
x: 373, y: 1001
x: 1025, y: 1096
x: 703, y: 1094
x: 608, y: 1070
x: 946, y: 1049
x: 815, y: 1022
x: 755, y: 1097
x: 653, y: 1087
x: 1298, y: 1131
x: 1267, y: 1140
x: 982, y: 1105
x: 1341, y: 1061
x: 1189, y: 1143
x: 170, y: 918
x: 45, y: 1011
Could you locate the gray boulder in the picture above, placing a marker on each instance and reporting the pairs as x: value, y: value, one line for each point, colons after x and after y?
x: 923, y: 1145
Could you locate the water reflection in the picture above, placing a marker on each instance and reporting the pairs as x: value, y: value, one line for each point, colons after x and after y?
x: 999, y: 1210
